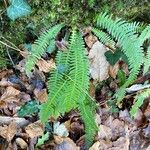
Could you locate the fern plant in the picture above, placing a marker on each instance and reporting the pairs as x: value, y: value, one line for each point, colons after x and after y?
x: 40, y: 45
x: 125, y: 35
x: 68, y: 84
x: 139, y: 100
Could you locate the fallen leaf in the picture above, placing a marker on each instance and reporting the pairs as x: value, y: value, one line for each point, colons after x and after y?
x: 113, y: 70
x: 21, y: 143
x: 10, y: 95
x: 5, y: 72
x: 41, y: 95
x: 121, y: 144
x: 101, y: 145
x: 90, y: 40
x: 46, y: 66
x: 104, y: 132
x: 35, y: 129
x: 67, y: 144
x: 95, y: 146
x: 98, y: 63
x: 8, y: 132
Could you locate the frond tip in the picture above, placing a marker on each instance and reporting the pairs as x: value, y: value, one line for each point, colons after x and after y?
x: 139, y: 100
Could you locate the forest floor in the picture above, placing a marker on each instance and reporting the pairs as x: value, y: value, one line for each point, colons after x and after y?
x: 20, y: 95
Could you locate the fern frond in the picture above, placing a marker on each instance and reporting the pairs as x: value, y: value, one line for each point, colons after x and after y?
x: 145, y: 34
x: 147, y: 61
x: 87, y: 115
x: 139, y: 100
x: 68, y: 85
x: 103, y: 37
x: 125, y: 34
x: 63, y: 93
x: 40, y: 45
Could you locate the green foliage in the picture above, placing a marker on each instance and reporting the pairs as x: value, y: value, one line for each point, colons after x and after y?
x: 125, y: 34
x: 44, y: 138
x: 29, y: 108
x: 3, y: 60
x: 40, y: 46
x: 121, y: 77
x: 17, y: 9
x: 139, y: 99
x: 68, y: 84
x: 68, y: 89
x: 113, y: 57
x: 147, y: 61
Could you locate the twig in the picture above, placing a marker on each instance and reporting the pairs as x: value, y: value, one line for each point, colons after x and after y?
x: 10, y: 57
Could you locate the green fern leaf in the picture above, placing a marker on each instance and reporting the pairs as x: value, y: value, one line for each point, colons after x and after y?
x: 125, y: 34
x: 139, y: 99
x: 40, y: 46
x: 147, y: 61
x: 17, y: 9
x: 145, y: 34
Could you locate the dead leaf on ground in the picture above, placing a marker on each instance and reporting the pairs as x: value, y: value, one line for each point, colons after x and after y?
x: 101, y: 145
x: 5, y: 83
x: 5, y: 72
x: 10, y: 95
x: 90, y: 40
x: 41, y: 95
x: 21, y: 143
x: 98, y: 63
x: 46, y: 66
x: 104, y: 132
x: 8, y: 132
x: 35, y: 129
x: 67, y: 144
x: 113, y: 70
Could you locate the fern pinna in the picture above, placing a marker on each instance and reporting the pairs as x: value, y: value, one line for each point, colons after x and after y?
x: 68, y: 84
x: 125, y: 34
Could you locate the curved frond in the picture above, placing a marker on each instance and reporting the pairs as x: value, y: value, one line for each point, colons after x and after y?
x: 40, y: 45
x: 147, y: 61
x: 139, y: 100
x: 127, y: 38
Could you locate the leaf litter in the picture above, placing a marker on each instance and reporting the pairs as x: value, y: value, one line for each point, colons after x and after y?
x: 21, y: 96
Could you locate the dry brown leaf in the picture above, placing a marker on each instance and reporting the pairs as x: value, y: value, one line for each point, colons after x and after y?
x: 8, y: 132
x: 67, y: 144
x: 5, y: 83
x: 5, y: 72
x: 98, y: 63
x: 41, y: 95
x: 95, y: 146
x: 35, y: 129
x: 101, y: 145
x: 20, y: 142
x: 90, y: 40
x: 105, y: 132
x: 46, y: 66
x: 10, y: 95
x: 113, y: 70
